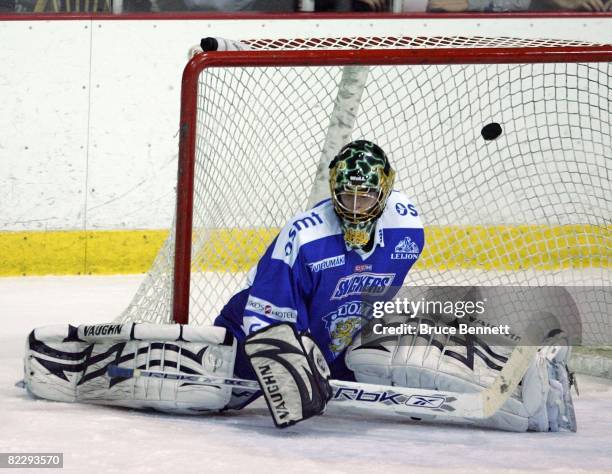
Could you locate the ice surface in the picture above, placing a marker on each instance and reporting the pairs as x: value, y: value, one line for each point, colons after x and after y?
x: 101, y: 439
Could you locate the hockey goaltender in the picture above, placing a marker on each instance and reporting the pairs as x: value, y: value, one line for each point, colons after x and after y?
x: 293, y: 334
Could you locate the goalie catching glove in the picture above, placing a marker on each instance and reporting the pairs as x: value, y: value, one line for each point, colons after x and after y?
x: 291, y: 371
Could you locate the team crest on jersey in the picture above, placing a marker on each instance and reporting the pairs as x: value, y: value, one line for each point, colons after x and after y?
x: 406, y: 249
x: 343, y: 323
x: 364, y: 284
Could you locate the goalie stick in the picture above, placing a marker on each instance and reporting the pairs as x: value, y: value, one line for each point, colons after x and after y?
x: 124, y: 372
x: 450, y: 406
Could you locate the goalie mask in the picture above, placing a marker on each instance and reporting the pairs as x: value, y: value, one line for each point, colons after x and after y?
x: 360, y: 180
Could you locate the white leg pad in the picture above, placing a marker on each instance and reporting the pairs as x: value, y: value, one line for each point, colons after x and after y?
x: 69, y: 364
x: 541, y: 403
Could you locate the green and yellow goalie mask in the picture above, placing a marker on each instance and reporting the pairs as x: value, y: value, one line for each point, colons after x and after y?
x: 360, y: 181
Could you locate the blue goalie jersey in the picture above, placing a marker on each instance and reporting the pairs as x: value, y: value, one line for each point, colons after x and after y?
x: 308, y: 277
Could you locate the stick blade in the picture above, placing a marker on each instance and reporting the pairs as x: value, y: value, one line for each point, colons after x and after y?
x: 506, y: 382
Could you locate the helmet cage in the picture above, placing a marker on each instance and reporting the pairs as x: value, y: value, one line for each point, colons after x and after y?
x: 357, y: 204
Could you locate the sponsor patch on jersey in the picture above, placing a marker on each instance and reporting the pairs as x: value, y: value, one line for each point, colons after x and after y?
x: 326, y: 263
x: 406, y: 249
x: 270, y: 311
x: 403, y: 209
x: 343, y: 323
x: 305, y: 222
x: 366, y: 283
x: 364, y: 267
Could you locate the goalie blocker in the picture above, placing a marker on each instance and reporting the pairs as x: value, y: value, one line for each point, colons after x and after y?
x: 291, y: 371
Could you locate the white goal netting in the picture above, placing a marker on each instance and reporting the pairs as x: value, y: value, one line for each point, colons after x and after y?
x: 531, y: 206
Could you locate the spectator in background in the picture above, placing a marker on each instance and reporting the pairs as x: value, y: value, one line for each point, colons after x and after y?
x: 7, y: 6
x: 370, y: 5
x: 464, y: 5
x: 518, y: 5
x: 220, y: 5
x: 347, y: 5
x: 573, y: 5
x: 230, y: 6
x: 60, y: 6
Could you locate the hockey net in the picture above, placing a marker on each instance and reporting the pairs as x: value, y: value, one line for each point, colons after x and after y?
x: 531, y: 206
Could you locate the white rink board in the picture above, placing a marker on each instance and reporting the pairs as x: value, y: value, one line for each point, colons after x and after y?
x: 91, y: 107
x: 44, y: 105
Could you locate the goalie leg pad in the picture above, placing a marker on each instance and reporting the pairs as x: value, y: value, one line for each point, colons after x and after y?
x: 291, y: 371
x: 546, y: 391
x: 69, y: 364
x: 541, y: 403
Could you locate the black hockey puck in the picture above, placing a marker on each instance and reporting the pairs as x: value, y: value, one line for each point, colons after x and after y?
x: 209, y: 44
x: 491, y: 131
